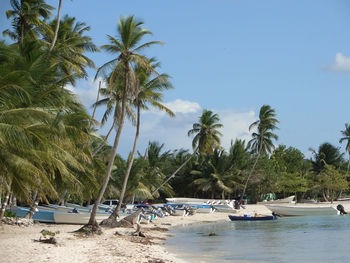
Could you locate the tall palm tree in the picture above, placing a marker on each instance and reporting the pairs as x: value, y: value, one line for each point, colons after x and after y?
x: 262, y: 141
x: 126, y: 46
x: 206, y: 134
x: 150, y: 92
x: 70, y: 47
x: 346, y: 138
x: 57, y: 25
x: 206, y: 139
x: 26, y: 18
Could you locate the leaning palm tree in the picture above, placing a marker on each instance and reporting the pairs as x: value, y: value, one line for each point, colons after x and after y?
x: 127, y: 48
x: 57, y: 25
x: 206, y: 139
x: 346, y: 138
x: 262, y: 141
x: 150, y: 92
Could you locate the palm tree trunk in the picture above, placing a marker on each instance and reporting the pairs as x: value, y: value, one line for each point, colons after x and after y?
x: 92, y: 220
x: 106, y: 138
x: 115, y: 213
x: 62, y: 197
x: 95, y: 107
x: 4, y: 204
x: 22, y: 34
x: 173, y: 174
x: 250, y: 174
x: 325, y: 195
x: 33, y: 207
x: 57, y: 25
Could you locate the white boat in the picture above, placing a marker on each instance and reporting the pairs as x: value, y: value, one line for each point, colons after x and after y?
x: 78, y: 219
x: 59, y: 217
x: 179, y: 212
x: 219, y: 204
x: 297, y: 210
x: 188, y: 200
x: 288, y: 199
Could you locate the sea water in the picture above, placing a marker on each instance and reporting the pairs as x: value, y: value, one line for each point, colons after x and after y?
x: 290, y: 239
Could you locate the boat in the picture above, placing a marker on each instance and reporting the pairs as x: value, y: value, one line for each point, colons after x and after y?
x: 219, y: 205
x: 198, y: 208
x: 288, y: 199
x: 305, y: 210
x: 59, y: 217
x: 251, y: 218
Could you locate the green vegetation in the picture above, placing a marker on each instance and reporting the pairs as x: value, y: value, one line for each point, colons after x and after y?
x: 50, y: 150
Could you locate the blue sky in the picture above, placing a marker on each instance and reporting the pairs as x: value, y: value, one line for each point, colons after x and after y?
x: 232, y: 57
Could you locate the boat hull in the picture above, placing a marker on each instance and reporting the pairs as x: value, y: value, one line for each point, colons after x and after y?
x: 251, y: 218
x: 59, y: 217
x: 303, y: 210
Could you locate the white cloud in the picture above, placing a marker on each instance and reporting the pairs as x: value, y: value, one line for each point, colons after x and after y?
x: 86, y: 90
x: 182, y: 106
x: 173, y: 131
x: 158, y: 126
x: 236, y: 126
x: 340, y: 64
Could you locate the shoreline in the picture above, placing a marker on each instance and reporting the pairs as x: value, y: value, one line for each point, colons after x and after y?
x: 17, y: 245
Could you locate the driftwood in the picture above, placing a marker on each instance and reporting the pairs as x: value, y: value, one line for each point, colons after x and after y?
x: 51, y: 240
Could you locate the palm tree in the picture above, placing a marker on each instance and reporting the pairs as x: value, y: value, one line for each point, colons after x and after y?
x: 70, y: 47
x: 327, y: 154
x: 261, y: 143
x: 57, y: 25
x: 346, y: 138
x: 126, y: 46
x: 206, y: 139
x: 150, y: 92
x: 42, y: 127
x: 216, y: 174
x: 26, y: 16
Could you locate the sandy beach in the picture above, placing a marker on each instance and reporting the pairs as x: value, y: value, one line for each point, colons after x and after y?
x: 17, y: 243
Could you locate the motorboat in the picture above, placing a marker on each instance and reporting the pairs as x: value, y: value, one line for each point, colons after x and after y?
x: 251, y: 218
x: 303, y: 210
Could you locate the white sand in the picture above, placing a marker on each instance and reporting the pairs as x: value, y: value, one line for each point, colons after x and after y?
x: 17, y: 245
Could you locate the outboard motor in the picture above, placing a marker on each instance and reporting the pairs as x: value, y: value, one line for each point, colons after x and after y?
x: 237, y: 204
x: 340, y: 208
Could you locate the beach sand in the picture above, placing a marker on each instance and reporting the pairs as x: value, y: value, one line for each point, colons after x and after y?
x: 17, y: 245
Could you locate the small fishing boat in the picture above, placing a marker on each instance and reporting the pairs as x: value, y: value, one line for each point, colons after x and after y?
x: 304, y: 210
x: 59, y: 217
x: 279, y: 201
x: 251, y: 218
x: 208, y: 204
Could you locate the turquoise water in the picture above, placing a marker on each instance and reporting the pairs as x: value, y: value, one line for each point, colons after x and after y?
x: 293, y: 239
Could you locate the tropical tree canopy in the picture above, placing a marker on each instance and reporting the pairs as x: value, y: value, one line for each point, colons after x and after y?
x: 206, y: 134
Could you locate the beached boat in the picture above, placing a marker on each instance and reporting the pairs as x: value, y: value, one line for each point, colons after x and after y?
x: 59, y: 217
x: 296, y: 210
x: 286, y: 200
x: 251, y: 218
x: 219, y: 205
